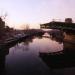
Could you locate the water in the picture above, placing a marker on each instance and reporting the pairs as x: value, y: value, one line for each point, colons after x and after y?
x: 27, y: 57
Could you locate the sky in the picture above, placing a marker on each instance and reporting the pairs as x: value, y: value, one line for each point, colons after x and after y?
x: 34, y: 12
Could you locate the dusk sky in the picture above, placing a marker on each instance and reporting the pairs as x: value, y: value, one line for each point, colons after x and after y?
x: 36, y: 11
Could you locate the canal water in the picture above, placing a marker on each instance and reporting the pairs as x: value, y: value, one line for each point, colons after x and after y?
x: 33, y: 55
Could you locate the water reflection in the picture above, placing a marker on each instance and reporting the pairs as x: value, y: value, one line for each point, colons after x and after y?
x: 63, y: 61
x: 67, y: 53
x: 3, y: 53
x: 39, y: 55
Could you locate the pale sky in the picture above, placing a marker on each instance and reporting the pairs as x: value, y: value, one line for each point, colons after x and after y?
x: 36, y: 11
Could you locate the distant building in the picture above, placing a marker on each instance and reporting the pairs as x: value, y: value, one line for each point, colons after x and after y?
x: 67, y: 25
x: 68, y: 20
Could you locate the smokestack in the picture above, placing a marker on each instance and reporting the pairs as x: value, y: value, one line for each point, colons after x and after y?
x: 68, y: 20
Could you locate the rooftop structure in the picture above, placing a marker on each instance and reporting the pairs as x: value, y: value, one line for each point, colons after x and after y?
x: 59, y: 25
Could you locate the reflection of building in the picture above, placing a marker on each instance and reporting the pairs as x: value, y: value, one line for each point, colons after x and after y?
x: 57, y: 36
x: 61, y: 59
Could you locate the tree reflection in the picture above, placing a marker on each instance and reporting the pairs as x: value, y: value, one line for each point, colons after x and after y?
x: 56, y: 35
x: 61, y: 59
x: 24, y: 45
